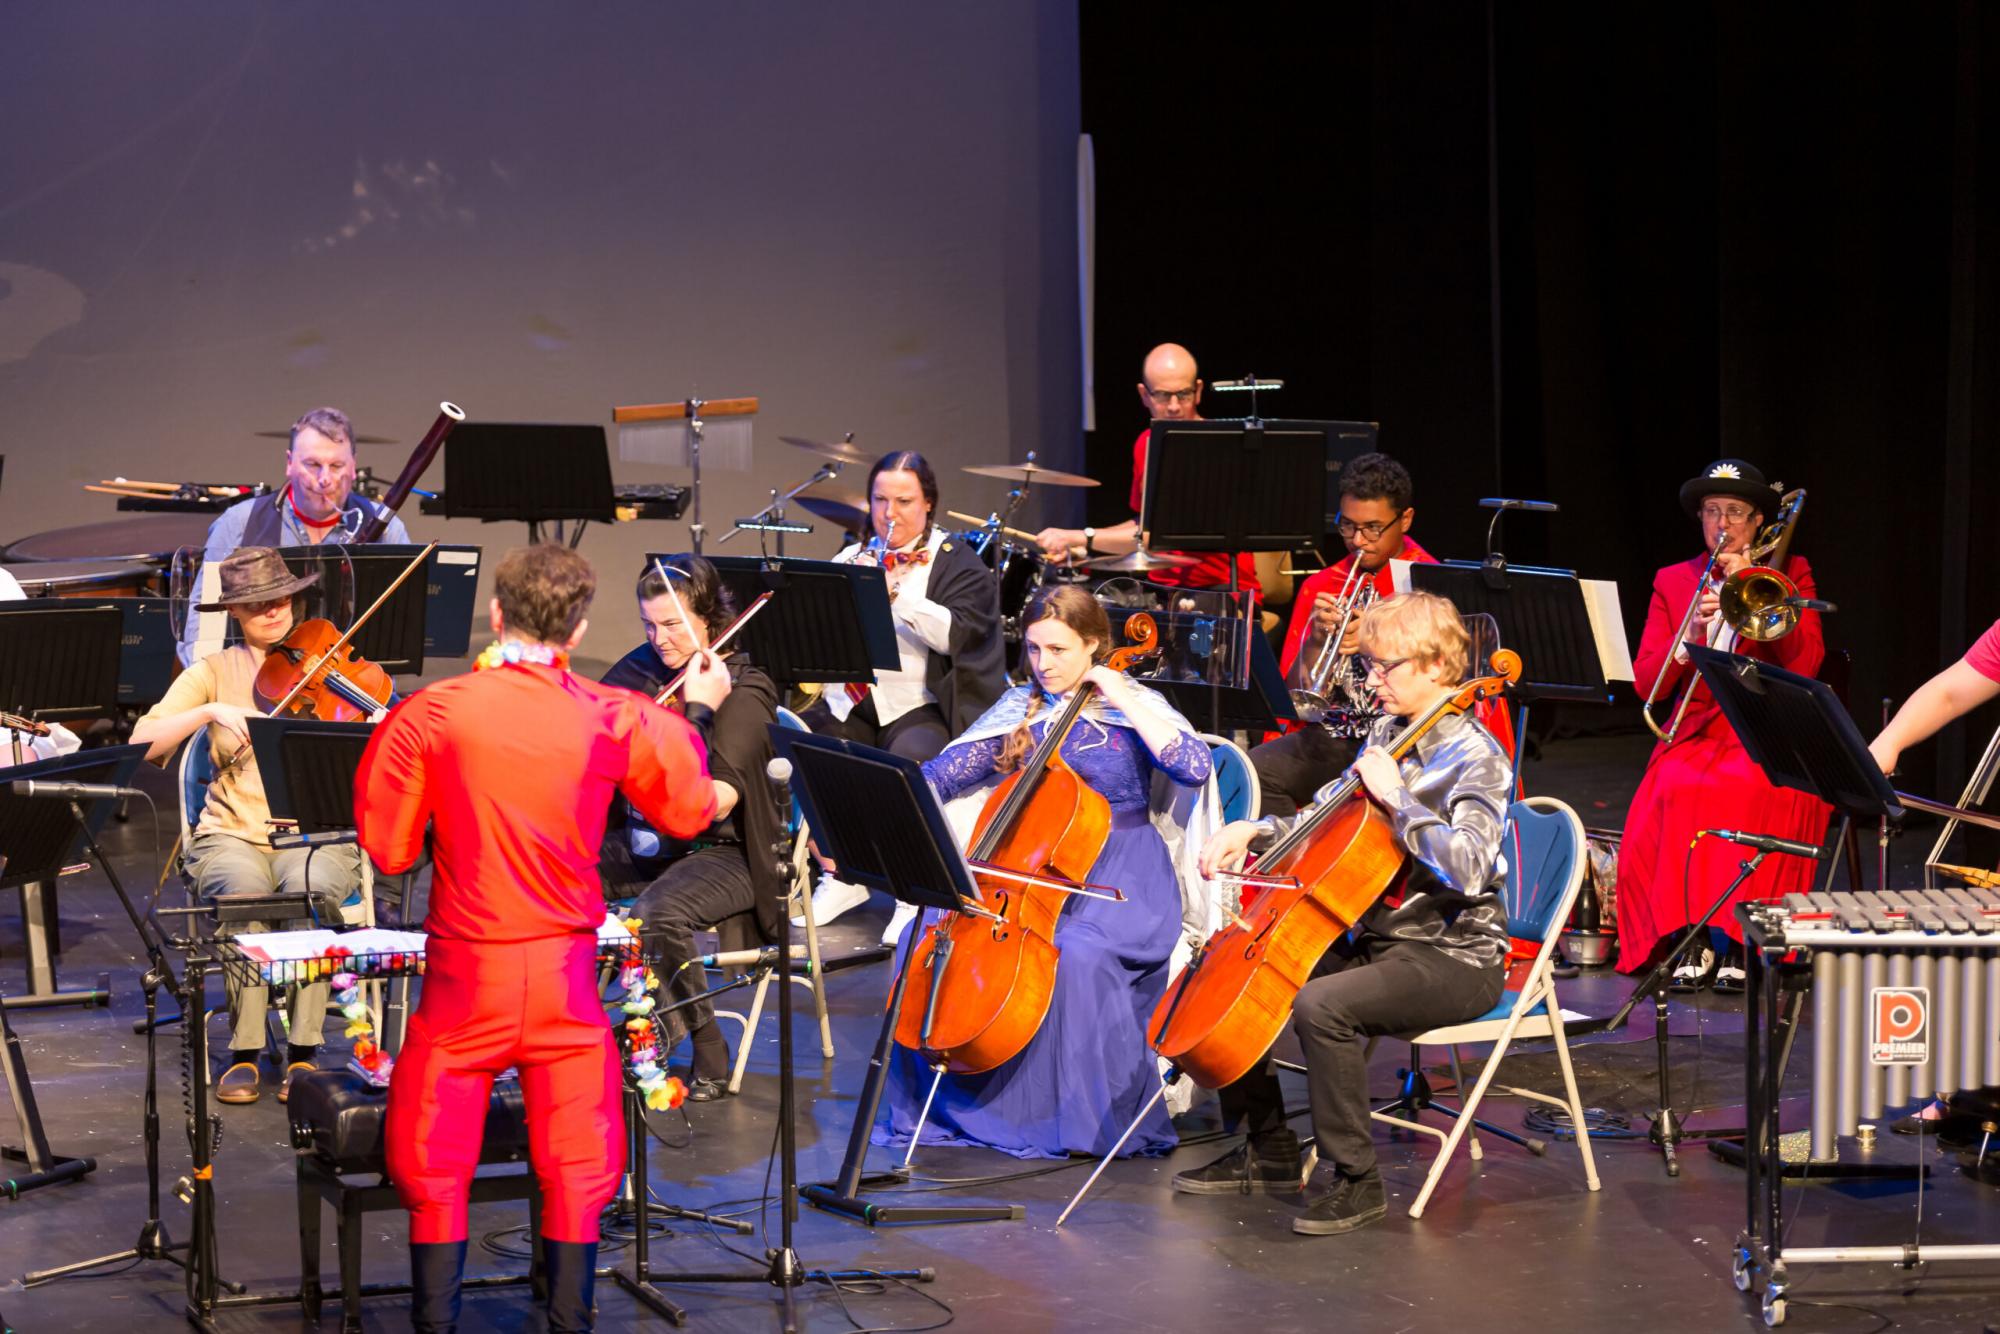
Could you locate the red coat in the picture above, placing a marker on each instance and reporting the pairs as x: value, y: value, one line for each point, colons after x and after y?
x: 1331, y: 580
x: 514, y: 769
x: 1706, y: 780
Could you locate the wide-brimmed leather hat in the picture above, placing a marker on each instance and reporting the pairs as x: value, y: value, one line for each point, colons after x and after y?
x: 256, y: 574
x: 1729, y: 477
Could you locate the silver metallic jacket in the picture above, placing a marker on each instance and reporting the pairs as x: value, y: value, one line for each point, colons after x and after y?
x: 1457, y: 785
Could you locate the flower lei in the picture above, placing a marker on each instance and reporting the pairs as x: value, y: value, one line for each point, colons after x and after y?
x: 639, y: 1035
x: 369, y: 1060
x: 501, y: 652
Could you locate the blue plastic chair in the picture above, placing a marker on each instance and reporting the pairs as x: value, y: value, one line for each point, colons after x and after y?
x: 1235, y: 779
x: 1543, y: 845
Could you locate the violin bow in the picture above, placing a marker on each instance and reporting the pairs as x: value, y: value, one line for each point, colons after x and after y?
x: 716, y: 647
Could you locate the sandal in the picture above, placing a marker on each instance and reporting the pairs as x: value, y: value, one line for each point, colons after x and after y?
x: 238, y: 1089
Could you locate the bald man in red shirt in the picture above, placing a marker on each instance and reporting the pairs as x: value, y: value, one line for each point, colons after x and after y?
x: 512, y: 770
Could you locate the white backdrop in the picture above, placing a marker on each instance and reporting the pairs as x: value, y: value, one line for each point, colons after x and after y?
x: 215, y: 216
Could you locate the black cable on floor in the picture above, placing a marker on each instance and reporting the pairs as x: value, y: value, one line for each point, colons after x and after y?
x: 1554, y: 1122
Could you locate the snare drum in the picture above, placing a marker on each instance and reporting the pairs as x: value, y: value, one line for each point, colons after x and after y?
x: 84, y: 578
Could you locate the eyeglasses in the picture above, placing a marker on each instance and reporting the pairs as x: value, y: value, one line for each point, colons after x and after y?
x: 1726, y: 513
x: 1379, y: 667
x: 1368, y: 531
x: 1172, y: 395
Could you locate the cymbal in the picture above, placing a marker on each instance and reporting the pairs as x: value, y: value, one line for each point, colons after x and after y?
x: 359, y: 439
x: 845, y: 508
x: 846, y: 451
x: 1972, y: 876
x: 1137, y: 562
x: 1031, y: 472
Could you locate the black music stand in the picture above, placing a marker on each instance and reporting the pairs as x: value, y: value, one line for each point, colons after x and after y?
x: 1345, y: 442
x: 58, y: 659
x: 397, y: 637
x: 45, y: 1168
x: 532, y: 473
x: 308, y: 767
x: 146, y: 661
x: 876, y: 817
x: 828, y: 621
x: 1236, y: 485
x: 1542, y: 615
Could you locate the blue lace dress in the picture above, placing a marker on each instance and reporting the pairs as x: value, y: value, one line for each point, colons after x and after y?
x: 1088, y: 1071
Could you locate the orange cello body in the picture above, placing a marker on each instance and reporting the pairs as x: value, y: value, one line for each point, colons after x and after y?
x: 313, y: 681
x: 986, y: 984
x: 1220, y: 1017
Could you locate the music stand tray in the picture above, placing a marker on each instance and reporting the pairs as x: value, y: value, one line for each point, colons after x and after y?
x: 308, y: 767
x: 59, y: 662
x: 829, y: 621
x: 878, y: 820
x: 1234, y: 486
x: 1542, y: 616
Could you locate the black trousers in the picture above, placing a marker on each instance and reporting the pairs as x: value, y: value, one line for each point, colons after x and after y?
x: 917, y: 735
x: 1373, y: 988
x: 695, y: 893
x: 1293, y: 767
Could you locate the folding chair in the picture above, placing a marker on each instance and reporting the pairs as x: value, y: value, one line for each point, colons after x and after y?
x: 1235, y: 778
x: 1544, y: 849
x: 801, y: 892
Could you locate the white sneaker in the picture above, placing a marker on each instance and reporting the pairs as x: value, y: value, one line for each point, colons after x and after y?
x: 899, y: 922
x: 1693, y: 973
x: 831, y: 899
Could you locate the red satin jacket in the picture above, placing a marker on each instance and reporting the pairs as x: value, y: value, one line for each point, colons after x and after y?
x: 513, y: 769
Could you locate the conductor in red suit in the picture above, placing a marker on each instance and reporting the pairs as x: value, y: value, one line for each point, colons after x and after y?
x: 1704, y: 778
x: 512, y: 770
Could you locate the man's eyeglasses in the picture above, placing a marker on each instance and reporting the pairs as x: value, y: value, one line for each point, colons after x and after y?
x: 1368, y: 531
x: 1171, y: 395
x: 1379, y: 666
x: 1726, y: 513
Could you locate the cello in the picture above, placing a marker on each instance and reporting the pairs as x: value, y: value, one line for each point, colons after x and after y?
x: 1230, y: 1003
x: 990, y: 977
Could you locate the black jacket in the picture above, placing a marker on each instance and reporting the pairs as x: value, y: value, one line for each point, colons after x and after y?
x: 739, y: 747
x: 973, y: 674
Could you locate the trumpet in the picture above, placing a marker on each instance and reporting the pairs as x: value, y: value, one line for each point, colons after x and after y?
x: 1758, y: 602
x: 1327, y: 682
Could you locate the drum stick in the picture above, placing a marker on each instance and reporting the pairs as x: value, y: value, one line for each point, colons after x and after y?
x: 147, y: 486
x: 121, y: 491
x: 977, y: 522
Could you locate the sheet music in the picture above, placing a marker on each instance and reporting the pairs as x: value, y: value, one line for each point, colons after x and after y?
x: 1607, y: 627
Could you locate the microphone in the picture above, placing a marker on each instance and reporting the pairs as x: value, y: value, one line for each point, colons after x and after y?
x: 762, y: 958
x: 1811, y: 604
x: 1765, y: 843
x: 779, y: 771
x: 28, y: 787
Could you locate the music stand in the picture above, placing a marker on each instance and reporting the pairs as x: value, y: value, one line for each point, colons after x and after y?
x: 308, y: 767
x: 1235, y: 486
x: 45, y: 1168
x: 526, y: 472
x: 1259, y: 704
x: 1542, y: 615
x: 394, y: 638
x: 59, y: 661
x: 829, y: 622
x: 1345, y: 442
x: 876, y: 817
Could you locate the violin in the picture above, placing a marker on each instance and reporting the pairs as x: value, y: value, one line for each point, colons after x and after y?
x: 990, y: 978
x: 314, y: 672
x: 1231, y: 1002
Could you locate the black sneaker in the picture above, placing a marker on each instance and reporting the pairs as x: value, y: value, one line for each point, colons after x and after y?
x: 1241, y: 1171
x: 1354, y: 1203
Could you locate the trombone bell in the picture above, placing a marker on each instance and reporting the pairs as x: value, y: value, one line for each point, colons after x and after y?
x: 1753, y: 602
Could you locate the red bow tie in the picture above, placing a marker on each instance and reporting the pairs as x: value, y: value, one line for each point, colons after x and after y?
x: 891, y: 559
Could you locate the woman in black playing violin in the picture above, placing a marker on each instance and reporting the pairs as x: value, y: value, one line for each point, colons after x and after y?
x: 1087, y: 1071
x: 728, y: 871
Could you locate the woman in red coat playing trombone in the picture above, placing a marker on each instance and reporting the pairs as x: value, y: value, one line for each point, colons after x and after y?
x: 1703, y: 777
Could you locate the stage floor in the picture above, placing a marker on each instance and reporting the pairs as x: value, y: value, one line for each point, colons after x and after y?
x: 1512, y: 1244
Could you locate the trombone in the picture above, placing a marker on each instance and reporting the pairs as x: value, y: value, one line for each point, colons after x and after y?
x: 1758, y: 602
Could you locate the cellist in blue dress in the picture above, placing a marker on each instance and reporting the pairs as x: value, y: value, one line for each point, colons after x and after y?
x: 1086, y: 1073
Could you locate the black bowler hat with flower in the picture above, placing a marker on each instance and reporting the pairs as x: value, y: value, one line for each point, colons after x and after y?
x: 1729, y: 477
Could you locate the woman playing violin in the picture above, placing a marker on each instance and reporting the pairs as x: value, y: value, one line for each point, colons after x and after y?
x: 230, y: 851
x: 1087, y: 1071
x: 693, y: 885
x: 1437, y: 956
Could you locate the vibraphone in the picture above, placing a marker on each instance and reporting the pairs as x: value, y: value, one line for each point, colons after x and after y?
x: 1946, y: 942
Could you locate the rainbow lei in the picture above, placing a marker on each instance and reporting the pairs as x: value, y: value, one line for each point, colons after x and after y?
x: 369, y: 1060
x: 500, y: 653
x: 639, y: 1035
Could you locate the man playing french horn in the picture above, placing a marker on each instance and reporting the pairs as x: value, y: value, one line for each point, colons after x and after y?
x: 1699, y: 775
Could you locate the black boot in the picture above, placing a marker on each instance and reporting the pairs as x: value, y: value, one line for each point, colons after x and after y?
x: 570, y: 1269
x: 435, y: 1270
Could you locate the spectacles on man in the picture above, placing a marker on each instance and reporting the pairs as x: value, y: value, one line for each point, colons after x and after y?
x: 1171, y: 395
x: 1368, y: 531
x: 1378, y: 666
x: 1726, y: 513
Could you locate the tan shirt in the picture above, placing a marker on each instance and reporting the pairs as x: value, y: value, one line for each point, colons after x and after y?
x: 236, y: 803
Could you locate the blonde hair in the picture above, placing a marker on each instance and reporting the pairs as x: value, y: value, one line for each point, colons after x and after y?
x: 1077, y: 609
x: 1422, y: 627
